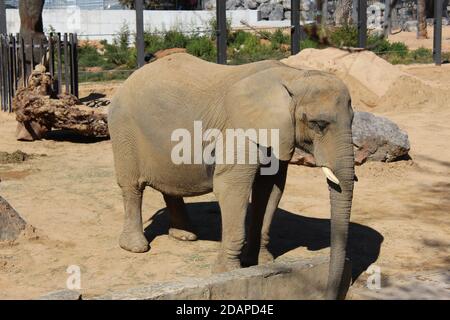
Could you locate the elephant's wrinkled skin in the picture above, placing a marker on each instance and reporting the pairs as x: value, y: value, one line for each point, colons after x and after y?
x: 311, y: 109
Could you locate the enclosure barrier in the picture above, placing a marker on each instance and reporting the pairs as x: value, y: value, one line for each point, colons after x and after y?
x: 18, y: 58
x: 62, y: 49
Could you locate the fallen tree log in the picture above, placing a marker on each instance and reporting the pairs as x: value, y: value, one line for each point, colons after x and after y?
x: 39, y: 109
x: 11, y: 223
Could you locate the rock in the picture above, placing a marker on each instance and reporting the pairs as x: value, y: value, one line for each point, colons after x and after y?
x: 287, y: 15
x: 234, y: 4
x: 266, y: 9
x: 11, y: 224
x: 250, y: 4
x: 287, y: 4
x: 375, y: 139
x: 209, y: 4
x: 379, y: 138
x: 277, y: 13
x: 410, y: 26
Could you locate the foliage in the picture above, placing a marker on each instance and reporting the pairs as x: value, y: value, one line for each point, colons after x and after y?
x: 119, y: 52
x: 243, y: 47
x: 202, y: 47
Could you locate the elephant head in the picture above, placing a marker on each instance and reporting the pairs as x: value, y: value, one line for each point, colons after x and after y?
x: 323, y: 116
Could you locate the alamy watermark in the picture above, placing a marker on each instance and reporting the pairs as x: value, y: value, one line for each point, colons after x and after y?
x: 374, y: 278
x: 234, y: 146
x: 73, y: 281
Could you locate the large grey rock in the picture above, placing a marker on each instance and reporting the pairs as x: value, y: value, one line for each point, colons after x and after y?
x: 265, y: 10
x: 379, y: 137
x: 277, y: 13
x: 300, y: 280
x: 234, y: 4
x: 11, y: 224
x: 410, y: 26
x: 287, y: 4
x: 250, y: 4
x: 209, y: 4
x: 375, y: 139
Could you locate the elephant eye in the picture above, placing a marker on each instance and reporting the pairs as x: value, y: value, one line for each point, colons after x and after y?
x: 319, y: 125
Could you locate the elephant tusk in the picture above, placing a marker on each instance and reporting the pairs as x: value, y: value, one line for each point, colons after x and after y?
x: 330, y: 175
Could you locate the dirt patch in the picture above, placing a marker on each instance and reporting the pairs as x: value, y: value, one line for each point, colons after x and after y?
x: 17, y: 156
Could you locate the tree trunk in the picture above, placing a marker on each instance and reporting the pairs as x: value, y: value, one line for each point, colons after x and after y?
x: 11, y: 224
x: 31, y: 28
x: 421, y: 20
x: 38, y: 104
x: 343, y: 13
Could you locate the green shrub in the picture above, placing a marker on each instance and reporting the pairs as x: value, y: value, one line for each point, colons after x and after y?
x: 118, y: 52
x: 175, y: 39
x: 240, y: 37
x: 399, y: 48
x: 202, y: 47
x: 308, y: 43
x: 88, y: 56
x: 421, y: 54
x: 345, y: 36
x: 153, y: 42
x: 378, y: 44
x: 279, y: 38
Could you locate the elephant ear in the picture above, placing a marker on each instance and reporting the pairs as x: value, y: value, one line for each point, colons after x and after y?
x: 262, y: 102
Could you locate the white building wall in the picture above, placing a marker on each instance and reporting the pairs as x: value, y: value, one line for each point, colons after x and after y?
x: 103, y: 24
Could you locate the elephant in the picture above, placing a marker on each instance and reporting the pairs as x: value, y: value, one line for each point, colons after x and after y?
x: 310, y: 109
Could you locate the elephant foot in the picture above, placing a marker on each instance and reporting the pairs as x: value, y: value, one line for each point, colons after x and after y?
x: 134, y: 242
x: 253, y: 257
x: 225, y: 265
x: 182, y: 235
x: 265, y: 256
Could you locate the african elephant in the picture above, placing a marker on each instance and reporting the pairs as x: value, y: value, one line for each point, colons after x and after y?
x: 310, y: 109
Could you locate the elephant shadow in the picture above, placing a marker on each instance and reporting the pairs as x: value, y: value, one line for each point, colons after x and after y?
x: 288, y: 232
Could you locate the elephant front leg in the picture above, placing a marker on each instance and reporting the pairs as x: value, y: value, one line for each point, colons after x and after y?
x: 132, y: 237
x: 266, y: 194
x: 232, y: 190
x: 180, y: 224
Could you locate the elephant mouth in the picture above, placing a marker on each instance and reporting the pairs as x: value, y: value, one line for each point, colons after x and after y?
x: 330, y: 175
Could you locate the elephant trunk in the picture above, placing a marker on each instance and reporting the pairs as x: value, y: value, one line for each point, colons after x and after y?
x: 341, y: 203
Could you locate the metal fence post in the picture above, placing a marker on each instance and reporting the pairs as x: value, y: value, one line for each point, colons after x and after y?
x: 221, y: 32
x: 437, y: 34
x: 139, y: 6
x: 295, y: 26
x: 2, y: 17
x: 355, y: 12
x: 387, y: 18
x: 362, y: 23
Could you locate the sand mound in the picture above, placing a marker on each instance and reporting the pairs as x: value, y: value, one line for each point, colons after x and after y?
x: 373, y: 82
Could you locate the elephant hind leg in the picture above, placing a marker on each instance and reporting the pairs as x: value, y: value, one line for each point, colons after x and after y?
x: 132, y: 237
x: 180, y: 224
x: 128, y: 178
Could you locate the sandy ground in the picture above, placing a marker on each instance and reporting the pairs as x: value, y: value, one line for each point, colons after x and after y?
x: 409, y: 38
x: 400, y: 218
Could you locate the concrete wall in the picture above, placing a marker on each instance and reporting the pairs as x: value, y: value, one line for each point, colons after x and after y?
x: 304, y: 279
x: 103, y: 24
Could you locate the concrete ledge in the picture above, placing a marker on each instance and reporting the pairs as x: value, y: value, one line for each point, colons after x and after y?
x: 299, y: 280
x: 61, y: 295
